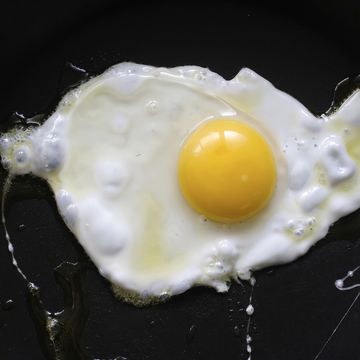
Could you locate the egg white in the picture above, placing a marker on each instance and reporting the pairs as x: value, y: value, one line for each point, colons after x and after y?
x: 110, y: 150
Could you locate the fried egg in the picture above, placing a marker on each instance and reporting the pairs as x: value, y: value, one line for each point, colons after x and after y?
x: 171, y: 178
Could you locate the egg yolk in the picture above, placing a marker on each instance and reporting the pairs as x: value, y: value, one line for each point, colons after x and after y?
x: 226, y: 170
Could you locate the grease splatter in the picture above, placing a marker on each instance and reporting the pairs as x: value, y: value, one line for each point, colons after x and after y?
x: 340, y: 285
x: 250, y: 311
x: 6, y: 188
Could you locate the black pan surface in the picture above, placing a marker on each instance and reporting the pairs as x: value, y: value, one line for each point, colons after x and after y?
x: 303, y: 48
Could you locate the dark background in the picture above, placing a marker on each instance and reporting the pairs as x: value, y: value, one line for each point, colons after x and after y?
x: 304, y: 48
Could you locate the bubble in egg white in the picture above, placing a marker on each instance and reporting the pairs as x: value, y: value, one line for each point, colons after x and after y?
x: 103, y: 230
x: 128, y: 84
x: 299, y: 175
x: 5, y: 143
x: 313, y: 198
x: 111, y: 177
x: 67, y: 208
x: 120, y: 124
x: 337, y: 163
x: 153, y: 106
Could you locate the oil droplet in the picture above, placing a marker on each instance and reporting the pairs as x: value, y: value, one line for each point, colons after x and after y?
x: 60, y: 332
x: 339, y: 283
x: 250, y: 310
x: 342, y: 91
x: 5, y: 189
x: 7, y: 305
x: 270, y: 272
x: 191, y: 334
x: 236, y: 331
x: 72, y: 77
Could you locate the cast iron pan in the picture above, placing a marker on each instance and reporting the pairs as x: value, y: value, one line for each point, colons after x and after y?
x: 305, y: 49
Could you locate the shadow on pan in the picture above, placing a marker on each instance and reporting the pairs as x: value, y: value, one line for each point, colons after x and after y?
x: 305, y: 49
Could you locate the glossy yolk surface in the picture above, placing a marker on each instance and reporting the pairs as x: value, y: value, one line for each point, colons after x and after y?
x: 226, y: 170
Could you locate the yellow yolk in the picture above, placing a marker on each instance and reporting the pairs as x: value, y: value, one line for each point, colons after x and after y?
x: 226, y: 170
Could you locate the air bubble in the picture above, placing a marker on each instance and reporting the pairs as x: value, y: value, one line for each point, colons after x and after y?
x: 299, y: 232
x: 311, y: 221
x: 4, y: 143
x: 201, y: 76
x: 152, y: 106
x: 291, y: 224
x: 21, y: 156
